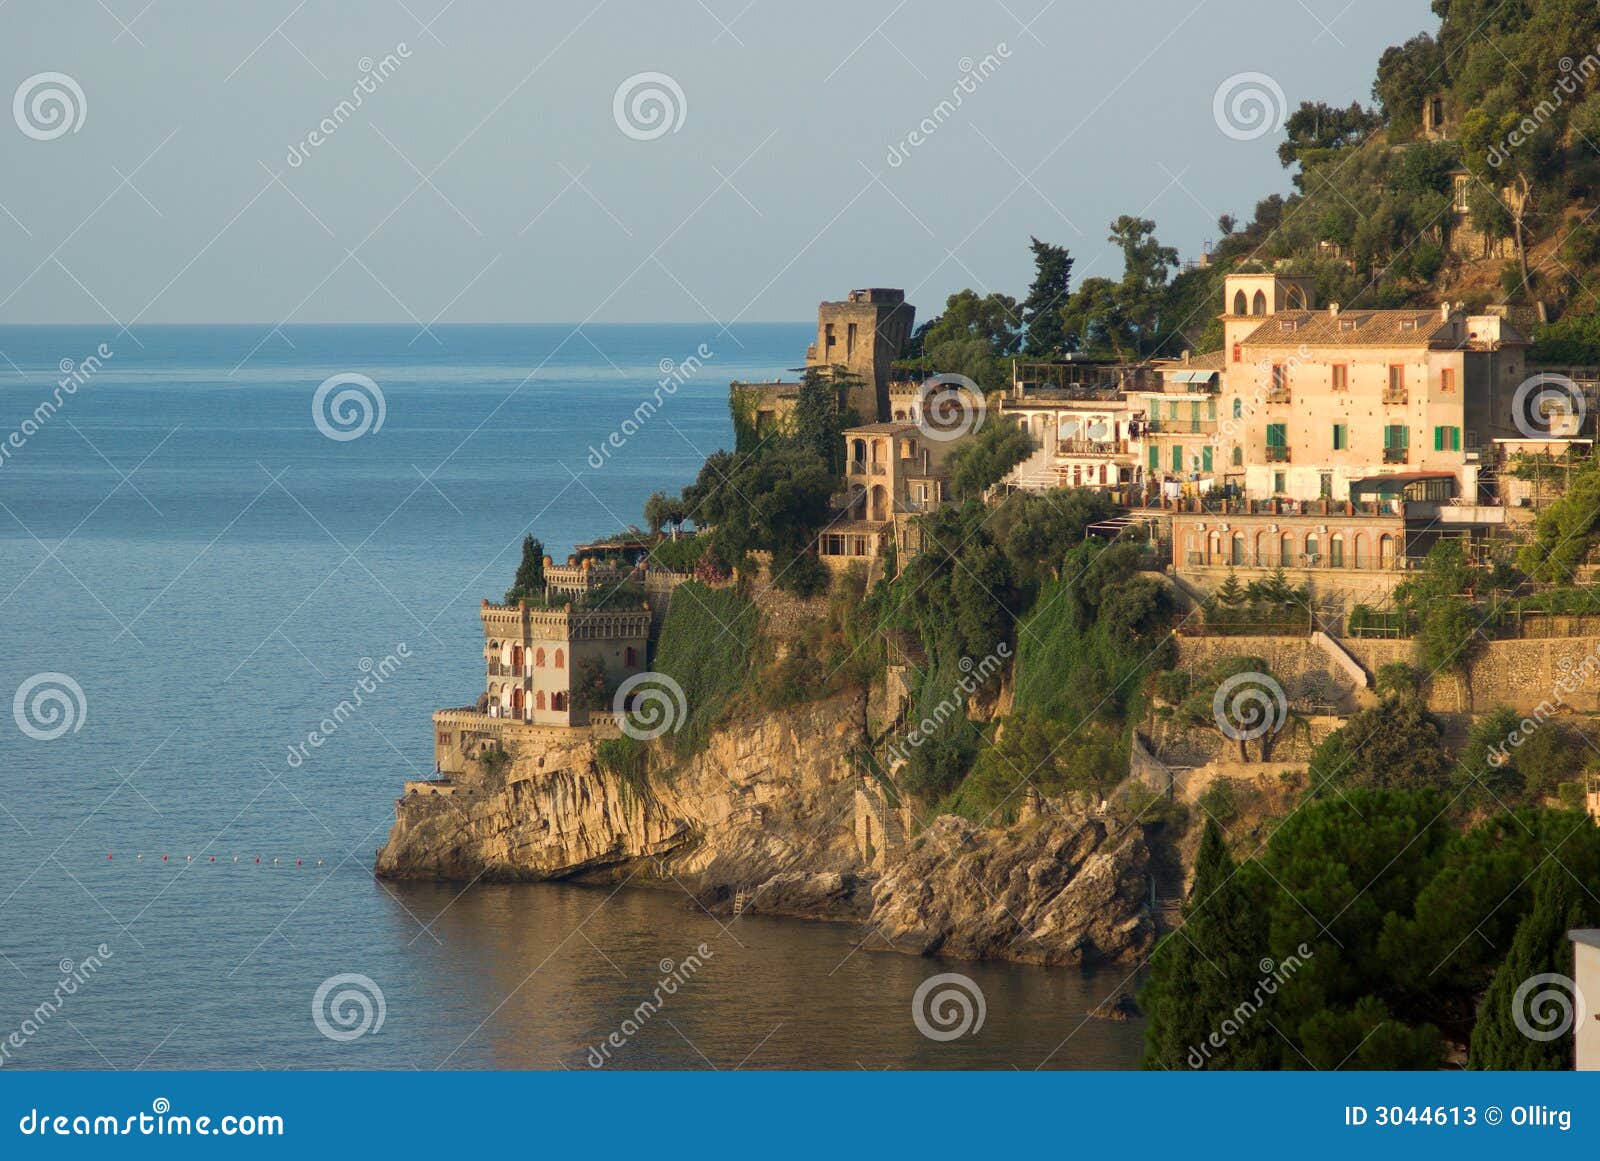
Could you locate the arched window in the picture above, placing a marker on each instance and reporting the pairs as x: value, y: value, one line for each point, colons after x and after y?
x: 1295, y: 299
x: 1313, y: 548
x: 1258, y: 305
x: 1263, y: 547
x: 558, y: 701
x: 1336, y: 550
x: 1361, y: 550
x: 538, y: 658
x: 1214, y: 548
x: 561, y: 659
x: 1238, y: 549
x: 538, y: 699
x: 1238, y: 408
x: 1238, y: 303
x: 1386, y: 551
x: 630, y: 656
x: 1286, y: 550
x: 1238, y: 457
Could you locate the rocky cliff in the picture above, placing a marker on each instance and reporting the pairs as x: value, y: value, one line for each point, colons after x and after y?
x: 1064, y: 888
x: 773, y: 813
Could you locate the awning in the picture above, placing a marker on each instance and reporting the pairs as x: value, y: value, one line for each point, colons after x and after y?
x: 1191, y: 376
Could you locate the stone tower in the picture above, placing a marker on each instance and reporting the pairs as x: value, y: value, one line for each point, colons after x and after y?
x: 864, y: 334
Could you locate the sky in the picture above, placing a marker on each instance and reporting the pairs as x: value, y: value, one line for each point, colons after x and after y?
x: 499, y: 169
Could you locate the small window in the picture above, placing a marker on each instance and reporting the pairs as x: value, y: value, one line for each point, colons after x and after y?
x: 1278, y: 485
x: 1447, y: 380
x: 1238, y: 457
x: 1238, y: 352
x: 1341, y: 377
x: 1238, y: 408
x: 1447, y: 439
x: 1341, y: 437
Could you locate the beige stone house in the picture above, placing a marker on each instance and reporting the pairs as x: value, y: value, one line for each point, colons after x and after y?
x: 533, y: 656
x: 894, y: 472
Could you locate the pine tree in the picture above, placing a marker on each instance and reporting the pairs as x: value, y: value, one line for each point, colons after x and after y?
x: 1041, y: 310
x: 1540, y: 947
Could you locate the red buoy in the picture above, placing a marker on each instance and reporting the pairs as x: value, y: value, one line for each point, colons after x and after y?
x: 163, y: 858
x: 108, y: 856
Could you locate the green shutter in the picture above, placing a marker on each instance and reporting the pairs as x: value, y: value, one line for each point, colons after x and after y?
x: 1155, y: 458
x: 1438, y: 439
x: 1205, y: 458
x: 1277, y: 435
x: 1177, y: 457
x: 1455, y: 439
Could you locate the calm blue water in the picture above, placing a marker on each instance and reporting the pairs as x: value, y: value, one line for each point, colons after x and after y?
x: 183, y: 542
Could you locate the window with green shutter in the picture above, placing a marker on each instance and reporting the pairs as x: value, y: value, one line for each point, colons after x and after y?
x: 1341, y: 437
x: 1277, y: 435
x: 1177, y: 457
x: 1155, y: 458
x: 1205, y: 459
x: 1447, y: 439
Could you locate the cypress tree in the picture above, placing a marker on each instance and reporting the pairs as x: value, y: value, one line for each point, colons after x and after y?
x: 529, y: 581
x: 1540, y: 947
x: 1201, y: 974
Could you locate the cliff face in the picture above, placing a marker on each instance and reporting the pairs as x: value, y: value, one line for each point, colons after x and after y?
x: 773, y: 795
x: 773, y: 813
x: 1061, y: 889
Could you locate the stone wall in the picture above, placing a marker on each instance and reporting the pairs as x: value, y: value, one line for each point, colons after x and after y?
x: 1519, y: 674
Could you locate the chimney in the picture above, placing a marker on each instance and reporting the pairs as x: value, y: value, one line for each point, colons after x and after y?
x: 1186, y: 357
x: 1333, y: 310
x: 1444, y: 312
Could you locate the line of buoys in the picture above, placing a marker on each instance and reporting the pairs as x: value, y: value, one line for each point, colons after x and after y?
x: 139, y: 858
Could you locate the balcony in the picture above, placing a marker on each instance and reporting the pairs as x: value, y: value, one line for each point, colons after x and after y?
x: 1395, y: 396
x: 1180, y: 427
x: 1279, y: 395
x: 1277, y: 455
x: 857, y: 467
x: 1396, y: 455
x: 1092, y: 447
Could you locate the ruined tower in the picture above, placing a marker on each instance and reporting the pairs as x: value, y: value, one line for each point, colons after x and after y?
x: 864, y: 334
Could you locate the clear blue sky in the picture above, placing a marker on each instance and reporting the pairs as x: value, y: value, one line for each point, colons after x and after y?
x: 487, y: 179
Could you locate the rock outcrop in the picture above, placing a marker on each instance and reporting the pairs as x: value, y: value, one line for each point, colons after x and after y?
x: 766, y: 820
x: 773, y: 796
x: 1063, y: 888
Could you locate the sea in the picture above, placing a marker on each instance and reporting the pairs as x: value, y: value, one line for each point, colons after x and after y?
x: 209, y: 538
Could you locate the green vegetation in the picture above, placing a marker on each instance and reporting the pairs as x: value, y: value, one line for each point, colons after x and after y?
x: 982, y: 462
x: 1354, y: 913
x: 1539, y: 948
x: 707, y: 642
x: 1266, y: 606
